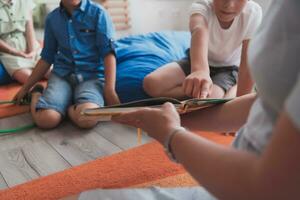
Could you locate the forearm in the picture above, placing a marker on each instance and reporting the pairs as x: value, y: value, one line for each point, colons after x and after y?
x: 199, y: 52
x: 228, y: 117
x: 37, y: 74
x: 199, y: 43
x: 6, y: 48
x: 110, y: 71
x: 30, y: 36
x: 245, y: 83
x: 225, y: 172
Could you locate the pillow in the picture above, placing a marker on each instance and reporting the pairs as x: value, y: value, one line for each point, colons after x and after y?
x: 4, y: 76
x: 139, y: 55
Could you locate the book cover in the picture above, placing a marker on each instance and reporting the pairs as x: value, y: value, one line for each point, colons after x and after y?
x: 189, y: 105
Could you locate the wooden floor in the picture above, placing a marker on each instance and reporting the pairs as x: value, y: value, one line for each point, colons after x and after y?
x: 31, y: 154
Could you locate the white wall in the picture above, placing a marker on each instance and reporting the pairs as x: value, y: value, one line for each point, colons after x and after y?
x: 157, y: 15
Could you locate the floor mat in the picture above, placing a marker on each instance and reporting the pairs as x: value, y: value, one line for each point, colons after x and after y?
x: 7, y: 92
x: 142, y: 166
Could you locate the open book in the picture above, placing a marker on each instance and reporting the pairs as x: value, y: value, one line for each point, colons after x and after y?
x: 105, y: 113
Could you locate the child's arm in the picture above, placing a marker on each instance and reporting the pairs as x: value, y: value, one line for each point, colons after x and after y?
x: 245, y: 82
x: 37, y: 74
x: 6, y: 48
x: 30, y: 37
x: 110, y: 94
x: 198, y: 83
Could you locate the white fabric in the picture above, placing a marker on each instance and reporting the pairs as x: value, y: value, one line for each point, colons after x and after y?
x: 275, y: 65
x: 274, y: 58
x: 225, y: 45
x: 152, y: 193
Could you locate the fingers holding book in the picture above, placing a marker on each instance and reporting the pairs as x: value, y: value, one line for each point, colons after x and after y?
x: 157, y: 122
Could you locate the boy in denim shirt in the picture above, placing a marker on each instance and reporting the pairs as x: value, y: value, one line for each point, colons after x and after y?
x: 78, y: 42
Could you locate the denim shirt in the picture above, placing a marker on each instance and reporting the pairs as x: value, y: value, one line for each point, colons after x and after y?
x: 77, y: 44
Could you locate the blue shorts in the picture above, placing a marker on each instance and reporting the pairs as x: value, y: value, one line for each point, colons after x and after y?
x: 64, y: 92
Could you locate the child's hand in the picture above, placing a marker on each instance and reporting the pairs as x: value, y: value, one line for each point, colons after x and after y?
x: 158, y: 123
x: 20, y: 95
x: 111, y: 97
x: 198, y: 85
x: 23, y: 54
x: 31, y: 54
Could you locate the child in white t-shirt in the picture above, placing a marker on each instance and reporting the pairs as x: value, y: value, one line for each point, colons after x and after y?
x: 221, y: 31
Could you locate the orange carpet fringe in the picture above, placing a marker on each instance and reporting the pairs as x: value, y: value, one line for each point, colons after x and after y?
x: 136, y: 166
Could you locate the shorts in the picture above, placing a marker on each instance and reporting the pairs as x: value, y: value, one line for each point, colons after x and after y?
x: 64, y: 92
x: 223, y: 76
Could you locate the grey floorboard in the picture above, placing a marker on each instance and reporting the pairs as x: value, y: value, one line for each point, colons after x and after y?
x: 3, y: 184
x: 14, y: 167
x: 25, y: 155
x: 78, y: 146
x: 123, y: 136
x: 30, y: 154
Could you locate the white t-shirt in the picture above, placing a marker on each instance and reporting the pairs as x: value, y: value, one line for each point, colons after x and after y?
x: 225, y: 45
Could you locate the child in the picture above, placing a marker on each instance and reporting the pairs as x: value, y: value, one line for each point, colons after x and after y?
x: 221, y: 30
x: 19, y: 49
x: 78, y: 41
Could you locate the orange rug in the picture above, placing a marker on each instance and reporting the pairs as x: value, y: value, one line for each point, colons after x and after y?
x: 8, y: 92
x: 139, y: 167
x: 143, y: 166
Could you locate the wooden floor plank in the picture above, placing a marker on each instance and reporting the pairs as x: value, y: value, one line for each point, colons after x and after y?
x: 43, y: 158
x: 78, y: 146
x: 123, y: 136
x: 3, y: 184
x: 30, y: 154
x: 14, y: 167
x: 35, y: 154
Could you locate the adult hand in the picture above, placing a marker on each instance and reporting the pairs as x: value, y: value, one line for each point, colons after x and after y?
x: 158, y: 123
x: 198, y: 85
x: 111, y: 96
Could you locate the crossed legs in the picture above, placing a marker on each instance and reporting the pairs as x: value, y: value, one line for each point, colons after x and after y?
x: 167, y: 81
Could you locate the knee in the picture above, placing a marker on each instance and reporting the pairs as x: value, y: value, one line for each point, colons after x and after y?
x: 22, y: 75
x: 75, y: 116
x: 151, y: 86
x: 232, y: 92
x: 47, y: 119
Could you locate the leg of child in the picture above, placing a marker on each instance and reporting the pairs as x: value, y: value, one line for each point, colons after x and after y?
x: 224, y: 82
x: 217, y: 92
x: 47, y: 109
x: 165, y: 82
x: 231, y: 93
x: 75, y: 115
x: 21, y: 75
x: 87, y: 95
x: 44, y: 118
